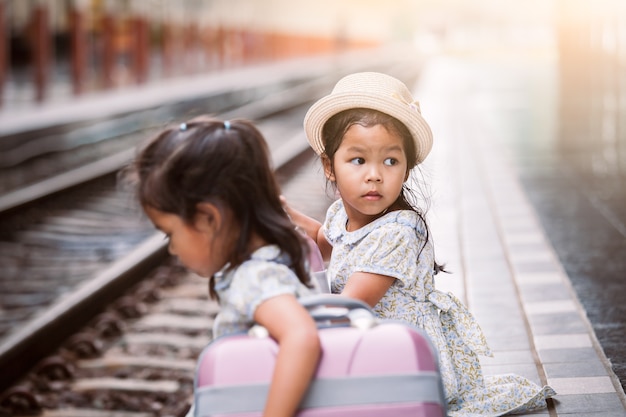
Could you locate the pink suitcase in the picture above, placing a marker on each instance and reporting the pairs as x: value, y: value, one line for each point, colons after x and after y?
x: 369, y: 368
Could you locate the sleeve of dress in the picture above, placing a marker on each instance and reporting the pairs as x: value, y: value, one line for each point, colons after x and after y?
x: 335, y: 217
x: 267, y: 280
x: 390, y: 250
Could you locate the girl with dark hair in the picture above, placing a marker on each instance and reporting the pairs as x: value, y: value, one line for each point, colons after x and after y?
x: 370, y: 135
x: 208, y: 185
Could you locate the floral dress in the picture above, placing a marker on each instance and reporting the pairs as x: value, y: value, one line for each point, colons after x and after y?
x: 263, y: 276
x: 394, y: 245
x: 243, y: 289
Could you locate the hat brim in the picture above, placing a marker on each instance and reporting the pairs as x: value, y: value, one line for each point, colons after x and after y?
x: 328, y: 106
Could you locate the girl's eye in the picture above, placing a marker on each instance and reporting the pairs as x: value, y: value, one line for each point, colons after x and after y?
x: 357, y: 161
x: 390, y: 161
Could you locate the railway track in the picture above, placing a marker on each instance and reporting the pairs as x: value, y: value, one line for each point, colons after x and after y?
x: 62, y: 265
x: 88, y: 286
x: 137, y: 358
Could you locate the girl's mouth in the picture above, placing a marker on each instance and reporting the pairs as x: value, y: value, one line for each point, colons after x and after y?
x: 372, y: 195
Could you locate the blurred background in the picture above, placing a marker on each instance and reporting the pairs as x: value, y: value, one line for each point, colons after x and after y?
x: 61, y: 48
x: 90, y: 45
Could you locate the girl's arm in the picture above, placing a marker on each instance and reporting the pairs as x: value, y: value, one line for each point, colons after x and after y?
x: 325, y: 248
x: 299, y: 350
x: 367, y: 287
x: 311, y: 227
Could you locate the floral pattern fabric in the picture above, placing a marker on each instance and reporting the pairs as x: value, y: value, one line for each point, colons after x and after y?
x: 241, y: 290
x: 395, y: 245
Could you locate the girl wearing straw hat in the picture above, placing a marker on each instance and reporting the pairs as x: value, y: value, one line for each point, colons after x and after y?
x: 369, y: 134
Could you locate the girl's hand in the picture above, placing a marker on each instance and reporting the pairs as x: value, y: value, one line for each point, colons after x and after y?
x: 299, y: 351
x: 310, y: 226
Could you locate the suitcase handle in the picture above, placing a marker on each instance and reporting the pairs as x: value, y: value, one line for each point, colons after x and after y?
x: 330, y: 309
x: 331, y: 300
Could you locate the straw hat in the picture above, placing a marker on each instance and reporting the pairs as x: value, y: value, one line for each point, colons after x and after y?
x: 375, y: 91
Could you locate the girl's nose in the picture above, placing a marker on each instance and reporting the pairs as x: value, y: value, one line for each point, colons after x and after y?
x: 373, y: 175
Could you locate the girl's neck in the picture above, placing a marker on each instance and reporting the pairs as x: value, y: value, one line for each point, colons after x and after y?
x: 354, y: 225
x: 256, y: 242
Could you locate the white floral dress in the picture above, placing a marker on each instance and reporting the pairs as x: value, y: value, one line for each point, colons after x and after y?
x: 241, y: 290
x: 263, y: 276
x: 393, y: 245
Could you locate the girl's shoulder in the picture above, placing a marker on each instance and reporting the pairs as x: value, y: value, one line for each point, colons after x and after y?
x: 336, y: 211
x: 268, y: 260
x: 269, y: 256
x: 335, y: 223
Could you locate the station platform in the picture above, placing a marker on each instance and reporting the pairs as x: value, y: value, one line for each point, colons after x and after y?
x: 502, y: 264
x: 490, y: 237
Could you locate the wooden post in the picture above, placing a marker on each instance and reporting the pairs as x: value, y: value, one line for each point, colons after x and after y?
x: 140, y: 48
x: 221, y: 46
x: 41, y: 49
x: 78, y: 38
x: 190, y: 37
x: 167, y: 47
x: 109, y: 54
x: 4, y: 55
x: 210, y: 45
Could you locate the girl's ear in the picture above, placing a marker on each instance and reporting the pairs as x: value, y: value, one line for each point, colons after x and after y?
x: 328, y: 169
x: 208, y: 217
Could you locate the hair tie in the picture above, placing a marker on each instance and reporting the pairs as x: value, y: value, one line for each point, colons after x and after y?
x: 226, y: 124
x: 183, y: 127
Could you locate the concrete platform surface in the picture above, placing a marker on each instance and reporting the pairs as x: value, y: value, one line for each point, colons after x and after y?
x: 486, y: 231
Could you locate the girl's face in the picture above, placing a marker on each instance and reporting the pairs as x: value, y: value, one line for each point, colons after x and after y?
x: 370, y: 167
x: 199, y: 246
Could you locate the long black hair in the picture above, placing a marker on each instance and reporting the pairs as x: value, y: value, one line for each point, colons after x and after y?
x: 209, y: 160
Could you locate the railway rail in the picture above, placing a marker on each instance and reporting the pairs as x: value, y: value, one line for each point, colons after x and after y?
x: 61, y: 253
x: 137, y: 357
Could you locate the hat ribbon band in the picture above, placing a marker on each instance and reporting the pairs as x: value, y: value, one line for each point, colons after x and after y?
x: 414, y: 105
